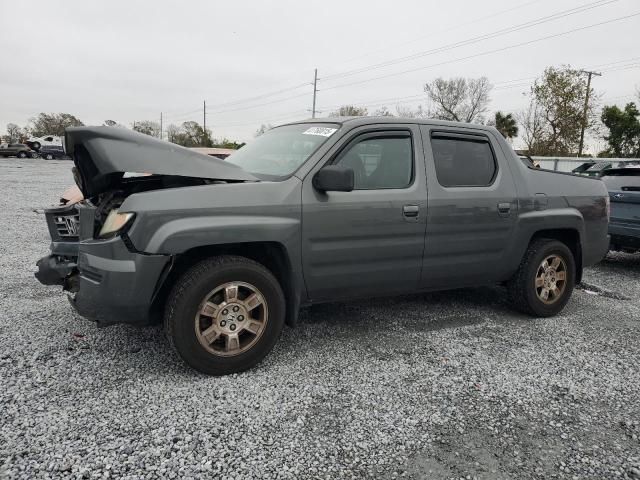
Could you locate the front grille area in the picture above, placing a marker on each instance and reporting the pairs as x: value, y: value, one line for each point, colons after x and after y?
x: 67, y: 226
x: 63, y: 223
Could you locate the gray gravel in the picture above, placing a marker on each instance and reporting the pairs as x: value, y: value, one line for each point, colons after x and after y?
x: 443, y: 385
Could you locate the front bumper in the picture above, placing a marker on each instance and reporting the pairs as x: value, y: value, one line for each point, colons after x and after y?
x: 116, y: 285
x: 112, y: 284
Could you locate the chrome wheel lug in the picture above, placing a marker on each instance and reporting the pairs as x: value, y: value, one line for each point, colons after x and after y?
x: 240, y: 318
x: 223, y: 323
x: 232, y: 327
x: 236, y: 308
x: 225, y: 311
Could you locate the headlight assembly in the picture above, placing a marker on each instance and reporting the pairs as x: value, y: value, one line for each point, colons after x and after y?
x: 115, y: 222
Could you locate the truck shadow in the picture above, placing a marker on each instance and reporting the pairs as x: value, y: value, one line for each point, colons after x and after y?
x: 421, y: 311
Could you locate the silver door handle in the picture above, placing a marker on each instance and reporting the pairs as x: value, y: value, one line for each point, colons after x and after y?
x: 410, y: 211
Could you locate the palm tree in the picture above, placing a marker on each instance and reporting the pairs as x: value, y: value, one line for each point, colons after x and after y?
x: 506, y: 125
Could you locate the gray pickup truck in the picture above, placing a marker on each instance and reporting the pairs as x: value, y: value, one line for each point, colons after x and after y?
x: 226, y: 252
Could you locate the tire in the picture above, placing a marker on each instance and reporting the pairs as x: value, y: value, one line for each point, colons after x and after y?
x: 186, y: 325
x: 21, y: 155
x: 525, y: 293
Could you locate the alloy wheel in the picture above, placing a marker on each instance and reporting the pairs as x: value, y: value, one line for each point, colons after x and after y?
x: 231, y: 319
x: 551, y: 279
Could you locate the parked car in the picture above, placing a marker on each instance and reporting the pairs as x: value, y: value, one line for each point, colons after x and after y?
x: 48, y: 140
x: 596, y: 169
x: 19, y: 150
x: 52, y: 152
x: 623, y: 185
x: 582, y: 168
x: 226, y: 252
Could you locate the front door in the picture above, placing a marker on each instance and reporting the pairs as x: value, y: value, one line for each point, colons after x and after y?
x: 472, y: 208
x: 368, y: 241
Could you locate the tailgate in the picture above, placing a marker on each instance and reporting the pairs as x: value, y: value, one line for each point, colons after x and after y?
x: 624, y: 192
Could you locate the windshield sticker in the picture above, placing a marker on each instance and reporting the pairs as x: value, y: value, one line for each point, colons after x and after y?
x: 324, y: 131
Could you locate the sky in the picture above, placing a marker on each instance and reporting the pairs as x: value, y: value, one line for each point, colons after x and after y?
x: 253, y: 62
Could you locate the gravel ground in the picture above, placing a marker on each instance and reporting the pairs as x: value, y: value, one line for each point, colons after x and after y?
x: 443, y: 385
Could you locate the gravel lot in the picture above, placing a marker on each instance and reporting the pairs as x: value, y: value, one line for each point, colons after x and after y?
x: 443, y: 385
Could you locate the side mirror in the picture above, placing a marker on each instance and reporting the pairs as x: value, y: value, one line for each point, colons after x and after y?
x: 334, y: 178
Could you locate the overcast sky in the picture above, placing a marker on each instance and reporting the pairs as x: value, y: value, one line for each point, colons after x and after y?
x: 130, y: 60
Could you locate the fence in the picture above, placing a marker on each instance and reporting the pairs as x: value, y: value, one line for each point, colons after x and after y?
x: 566, y: 164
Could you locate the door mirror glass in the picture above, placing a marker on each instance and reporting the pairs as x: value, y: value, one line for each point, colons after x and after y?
x: 334, y: 178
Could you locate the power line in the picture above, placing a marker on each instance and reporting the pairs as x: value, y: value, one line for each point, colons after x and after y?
x: 259, y: 97
x: 473, y: 40
x: 442, y: 31
x: 259, y: 104
x: 481, y: 54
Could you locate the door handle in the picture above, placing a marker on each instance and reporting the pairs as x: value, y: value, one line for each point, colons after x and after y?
x: 504, y: 208
x: 410, y: 211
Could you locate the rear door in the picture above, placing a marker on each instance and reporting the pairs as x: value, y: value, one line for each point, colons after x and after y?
x: 368, y: 241
x: 472, y: 208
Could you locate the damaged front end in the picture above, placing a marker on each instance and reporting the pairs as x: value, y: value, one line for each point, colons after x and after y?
x: 108, y: 279
x: 60, y: 267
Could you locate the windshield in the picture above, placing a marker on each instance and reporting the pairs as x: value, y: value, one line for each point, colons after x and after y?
x: 279, y: 152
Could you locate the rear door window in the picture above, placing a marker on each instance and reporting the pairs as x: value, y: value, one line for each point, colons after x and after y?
x: 463, y: 160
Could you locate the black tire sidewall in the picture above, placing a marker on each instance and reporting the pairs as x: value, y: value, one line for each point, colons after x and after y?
x: 182, y: 329
x: 540, y: 308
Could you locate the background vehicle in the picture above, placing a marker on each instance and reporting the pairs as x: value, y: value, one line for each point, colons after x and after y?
x: 48, y: 140
x: 623, y: 185
x: 51, y: 152
x: 225, y: 252
x: 16, y: 150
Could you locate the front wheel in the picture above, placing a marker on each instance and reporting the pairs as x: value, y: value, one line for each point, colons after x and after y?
x: 544, y: 282
x: 22, y: 155
x: 225, y: 314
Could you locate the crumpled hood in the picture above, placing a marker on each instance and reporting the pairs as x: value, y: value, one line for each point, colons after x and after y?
x: 103, y: 154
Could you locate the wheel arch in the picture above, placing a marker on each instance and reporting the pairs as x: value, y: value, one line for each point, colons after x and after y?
x: 273, y: 255
x: 570, y: 237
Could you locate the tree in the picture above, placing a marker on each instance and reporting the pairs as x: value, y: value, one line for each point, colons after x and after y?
x: 52, y: 124
x: 263, y: 128
x: 408, y: 112
x: 226, y: 143
x: 560, y: 96
x: 349, y: 111
x: 505, y: 124
x: 533, y: 130
x: 382, y: 112
x: 459, y: 99
x: 148, y: 127
x: 189, y: 134
x: 624, y: 130
x: 14, y: 133
x: 172, y: 133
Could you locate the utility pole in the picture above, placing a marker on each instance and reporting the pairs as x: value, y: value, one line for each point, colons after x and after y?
x: 315, y: 91
x: 204, y: 119
x: 586, y: 108
x: 160, y: 125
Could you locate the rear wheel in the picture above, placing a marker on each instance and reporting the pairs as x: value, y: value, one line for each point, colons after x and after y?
x: 544, y: 282
x: 225, y: 314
